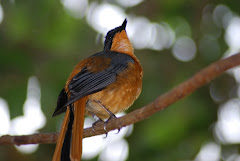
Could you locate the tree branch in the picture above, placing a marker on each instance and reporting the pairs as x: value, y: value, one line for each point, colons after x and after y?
x: 198, y: 80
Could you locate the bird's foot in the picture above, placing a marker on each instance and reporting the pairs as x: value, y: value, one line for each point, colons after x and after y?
x: 95, y: 123
x: 112, y: 117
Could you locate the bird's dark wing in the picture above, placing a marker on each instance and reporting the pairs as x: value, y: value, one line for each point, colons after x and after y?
x: 62, y: 99
x: 86, y: 82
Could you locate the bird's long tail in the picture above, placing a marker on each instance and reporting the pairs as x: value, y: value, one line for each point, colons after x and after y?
x: 69, y: 144
x: 77, y: 131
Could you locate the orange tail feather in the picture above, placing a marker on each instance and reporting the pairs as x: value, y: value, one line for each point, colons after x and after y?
x: 58, y: 149
x: 77, y: 131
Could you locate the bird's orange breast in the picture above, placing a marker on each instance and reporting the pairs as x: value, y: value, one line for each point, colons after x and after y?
x: 118, y: 96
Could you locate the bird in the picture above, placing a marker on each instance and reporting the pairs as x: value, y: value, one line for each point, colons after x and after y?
x: 101, y: 86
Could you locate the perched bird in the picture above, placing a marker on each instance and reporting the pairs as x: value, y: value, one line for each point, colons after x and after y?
x: 101, y: 85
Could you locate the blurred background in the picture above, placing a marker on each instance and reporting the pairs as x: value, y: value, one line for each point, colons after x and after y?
x: 41, y: 41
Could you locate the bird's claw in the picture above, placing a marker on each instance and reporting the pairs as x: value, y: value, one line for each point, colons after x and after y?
x: 105, y: 124
x: 95, y: 123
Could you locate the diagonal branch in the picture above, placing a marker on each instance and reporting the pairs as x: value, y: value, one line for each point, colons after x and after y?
x: 198, y: 80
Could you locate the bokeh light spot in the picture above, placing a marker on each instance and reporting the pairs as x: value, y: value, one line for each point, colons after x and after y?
x: 141, y: 32
x: 77, y: 8
x: 27, y: 149
x: 227, y: 128
x: 127, y: 3
x: 1, y: 14
x: 162, y: 37
x: 4, y: 117
x: 33, y: 118
x: 184, y: 49
x: 218, y: 14
x: 150, y: 35
x: 209, y: 152
x: 232, y: 36
x: 117, y: 151
x: 105, y: 16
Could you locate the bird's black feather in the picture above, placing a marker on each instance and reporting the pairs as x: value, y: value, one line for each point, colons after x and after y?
x: 62, y: 100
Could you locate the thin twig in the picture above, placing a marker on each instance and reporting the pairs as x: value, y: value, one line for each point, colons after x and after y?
x: 186, y: 88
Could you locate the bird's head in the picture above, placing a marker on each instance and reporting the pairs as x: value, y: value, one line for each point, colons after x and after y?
x: 117, y: 40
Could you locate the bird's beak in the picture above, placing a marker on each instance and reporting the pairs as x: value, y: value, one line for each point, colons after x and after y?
x: 124, y: 24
